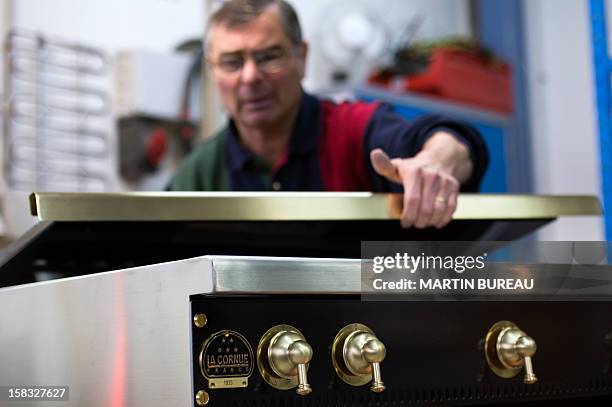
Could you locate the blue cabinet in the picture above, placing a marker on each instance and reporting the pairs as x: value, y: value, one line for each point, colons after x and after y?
x: 492, y: 126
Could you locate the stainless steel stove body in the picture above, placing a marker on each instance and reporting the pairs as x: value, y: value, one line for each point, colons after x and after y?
x: 136, y: 337
x: 173, y: 323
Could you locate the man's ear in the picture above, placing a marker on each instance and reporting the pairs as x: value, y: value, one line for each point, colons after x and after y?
x: 302, y: 56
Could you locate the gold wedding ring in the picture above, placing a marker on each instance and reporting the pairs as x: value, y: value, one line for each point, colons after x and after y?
x: 440, y: 199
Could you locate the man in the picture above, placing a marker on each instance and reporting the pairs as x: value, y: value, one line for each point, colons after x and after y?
x: 280, y: 138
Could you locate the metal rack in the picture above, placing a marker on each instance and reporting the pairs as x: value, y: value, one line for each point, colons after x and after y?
x: 56, y: 137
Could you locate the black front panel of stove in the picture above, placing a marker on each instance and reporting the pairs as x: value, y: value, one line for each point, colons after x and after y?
x: 434, y: 349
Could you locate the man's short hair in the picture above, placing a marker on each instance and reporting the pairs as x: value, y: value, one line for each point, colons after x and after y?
x: 235, y: 13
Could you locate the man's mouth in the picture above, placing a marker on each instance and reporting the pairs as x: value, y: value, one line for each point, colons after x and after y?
x: 257, y: 103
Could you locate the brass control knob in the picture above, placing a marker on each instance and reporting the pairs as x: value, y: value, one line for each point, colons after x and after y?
x: 356, y: 356
x: 283, y: 356
x: 508, y: 349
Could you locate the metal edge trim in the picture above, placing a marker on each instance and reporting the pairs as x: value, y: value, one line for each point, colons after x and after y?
x: 297, y: 206
x: 285, y: 275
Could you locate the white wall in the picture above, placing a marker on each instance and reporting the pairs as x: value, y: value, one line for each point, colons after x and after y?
x: 564, y: 128
x: 441, y: 17
x: 157, y: 25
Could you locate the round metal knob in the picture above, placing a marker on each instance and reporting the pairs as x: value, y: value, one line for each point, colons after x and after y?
x: 515, y: 350
x: 283, y: 356
x: 357, y: 354
x: 508, y: 349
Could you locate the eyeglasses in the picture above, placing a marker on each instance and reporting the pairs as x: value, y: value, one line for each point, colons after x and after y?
x: 270, y: 60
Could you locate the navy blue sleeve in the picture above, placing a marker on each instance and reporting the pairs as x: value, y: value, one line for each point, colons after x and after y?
x: 399, y: 137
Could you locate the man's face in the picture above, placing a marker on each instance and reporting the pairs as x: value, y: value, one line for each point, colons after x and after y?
x: 263, y: 90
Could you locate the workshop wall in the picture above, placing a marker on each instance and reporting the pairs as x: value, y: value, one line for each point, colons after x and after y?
x: 559, y: 69
x: 565, y: 147
x: 111, y: 26
x: 114, y: 24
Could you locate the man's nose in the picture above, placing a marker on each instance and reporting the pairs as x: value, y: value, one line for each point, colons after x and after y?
x: 250, y: 71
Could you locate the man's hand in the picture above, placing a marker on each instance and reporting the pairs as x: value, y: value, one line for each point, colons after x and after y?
x: 431, y: 179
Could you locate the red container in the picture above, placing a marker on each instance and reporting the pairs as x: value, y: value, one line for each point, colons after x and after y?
x: 460, y: 76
